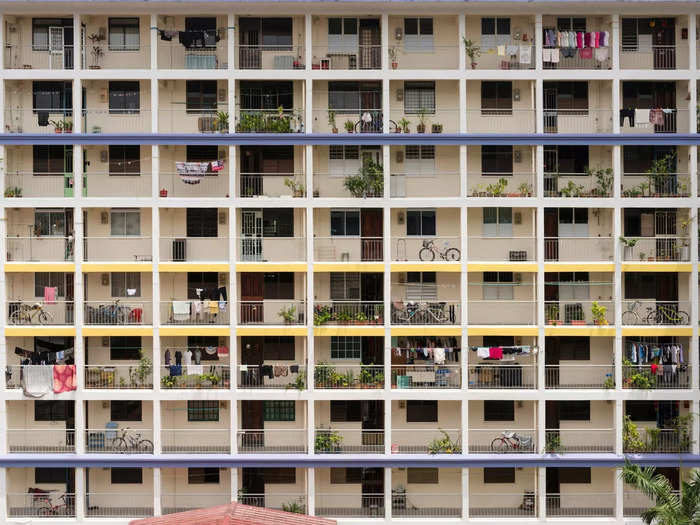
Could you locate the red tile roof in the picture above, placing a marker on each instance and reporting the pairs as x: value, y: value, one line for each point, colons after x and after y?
x: 234, y: 514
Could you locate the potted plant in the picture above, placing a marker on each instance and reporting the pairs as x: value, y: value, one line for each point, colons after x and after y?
x: 629, y: 248
x: 444, y: 445
x: 473, y: 51
x: 296, y: 187
x: 497, y: 189
x: 604, y: 180
x: 331, y: 121
x: 295, y: 507
x: 420, y: 128
x: 392, y: 55
x: 361, y: 318
x: 403, y: 125
x: 299, y: 382
x: 349, y: 126
x: 67, y: 126
x: 323, y: 374
x: 57, y: 125
x: 322, y: 315
x: 288, y: 314
x: 552, y: 443
x: 168, y: 381
x: 369, y: 181
x: 598, y: 312
x: 343, y: 317
x: 327, y: 441
x: 525, y: 189
x: 436, y: 128
x: 684, y: 251
x: 97, y: 52
x: 552, y: 314
x: 221, y: 121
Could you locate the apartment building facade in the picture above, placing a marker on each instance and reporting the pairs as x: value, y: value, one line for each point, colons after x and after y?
x: 445, y: 269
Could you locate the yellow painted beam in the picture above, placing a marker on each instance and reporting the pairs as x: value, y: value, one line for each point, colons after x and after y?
x: 16, y: 267
x: 579, y: 267
x: 426, y: 267
x: 348, y: 267
x: 271, y: 330
x: 657, y: 267
x: 99, y: 331
x: 502, y: 267
x: 270, y: 267
x: 117, y: 267
x: 426, y: 330
x: 356, y: 330
x: 193, y: 267
x: 502, y: 330
x: 678, y: 331
x: 39, y: 331
x: 195, y: 330
x: 589, y: 331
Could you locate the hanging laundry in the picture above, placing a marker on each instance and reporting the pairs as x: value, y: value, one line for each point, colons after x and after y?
x: 192, y: 172
x: 217, y: 165
x: 525, y: 54
x: 167, y: 357
x: 195, y: 370
x: 656, y: 117
x: 439, y: 356
x: 64, y: 378
x: 50, y: 293
x: 181, y: 310
x: 641, y: 117
x: 37, y: 380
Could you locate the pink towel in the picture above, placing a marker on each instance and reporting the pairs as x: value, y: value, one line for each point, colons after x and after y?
x: 496, y: 352
x: 50, y: 294
x: 63, y: 378
x: 586, y: 53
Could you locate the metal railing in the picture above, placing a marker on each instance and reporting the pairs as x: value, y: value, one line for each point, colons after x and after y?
x: 440, y: 119
x: 103, y: 120
x: 577, y: 249
x: 574, y: 440
x: 265, y: 120
x: 106, y: 505
x: 117, y: 312
x: 651, y: 57
x: 270, y: 57
x: 357, y: 505
x: 106, y: 56
x: 502, y: 249
x: 272, y: 441
x: 517, y: 55
x: 490, y: 120
x: 579, y: 376
x: 577, y: 312
x: 356, y: 120
x: 503, y: 505
x: 517, y: 184
x: 652, y: 312
x: 656, y: 377
x: 41, y: 440
x: 181, y: 118
x: 194, y: 312
x: 119, y: 441
x: 332, y: 185
x: 40, y: 312
x: 348, y: 249
x: 423, y: 505
x: 438, y: 249
x: 118, y: 376
x: 128, y: 248
x: 104, y: 184
x: 348, y: 441
x: 635, y: 502
x: 490, y: 441
x: 43, y: 504
x: 38, y: 57
x: 576, y: 185
x: 348, y: 312
x: 587, y: 120
x: 427, y: 57
x: 660, y: 120
x: 204, y: 440
x: 570, y: 58
x: 511, y: 375
x: 172, y: 503
x: 270, y: 249
x: 273, y: 375
x: 39, y: 249
x: 288, y: 502
x: 172, y: 55
x: 272, y: 311
x: 348, y: 376
x: 502, y: 312
x: 658, y: 441
x: 581, y: 505
x: 211, y: 185
x: 345, y: 56
x: 197, y: 249
x: 38, y: 185
x: 43, y: 121
x: 655, y: 249
x: 277, y: 185
x: 426, y: 440
x: 426, y: 312
x: 424, y: 185
x: 655, y: 185
x: 426, y: 376
x: 205, y: 376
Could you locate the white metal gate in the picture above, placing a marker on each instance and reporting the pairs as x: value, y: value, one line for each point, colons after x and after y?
x: 56, y: 48
x: 251, y: 235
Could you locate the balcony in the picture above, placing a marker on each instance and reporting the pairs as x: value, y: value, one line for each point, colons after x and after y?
x: 348, y: 376
x: 503, y: 376
x: 258, y: 376
x: 103, y: 120
x: 502, y: 312
x: 429, y: 376
x: 263, y: 120
x: 39, y: 249
x: 350, y: 505
x: 25, y: 57
x: 503, y: 505
x: 652, y: 440
x: 39, y: 313
x: 194, y: 249
x: 196, y: 440
x: 435, y: 57
x: 201, y: 377
x: 104, y: 184
x: 656, y: 377
x: 272, y: 312
x: 409, y: 504
x: 426, y: 440
x: 348, y: 249
x: 656, y: 185
x: 117, y: 313
x: 579, y: 249
x: 40, y: 440
x: 512, y: 184
x: 579, y: 376
x: 657, y: 249
x: 575, y: 121
x: 490, y: 441
x: 425, y: 312
x: 172, y: 503
x: 271, y: 185
x: 581, y: 505
x: 211, y: 185
x: 414, y: 249
x: 346, y: 57
x: 348, y: 441
x: 20, y: 183
x: 119, y: 441
x: 502, y: 249
x: 445, y: 119
x: 365, y: 120
x: 348, y: 313
x: 195, y: 312
x: 272, y: 441
x: 657, y: 120
x: 501, y: 121
x: 131, y: 248
x: 211, y: 55
x: 175, y: 116
x: 517, y: 55
x: 106, y: 505
x: 653, y: 312
x: 272, y: 57
x: 652, y: 57
x: 576, y: 440
x: 136, y: 376
x: 271, y: 249
x: 596, y: 183
x: 424, y: 184
x: 580, y: 313
x: 54, y: 504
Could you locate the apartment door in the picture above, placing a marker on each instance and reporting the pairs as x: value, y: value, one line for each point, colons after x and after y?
x: 370, y: 42
x: 370, y: 105
x: 252, y: 421
x: 551, y: 362
x: 550, y: 110
x: 253, y: 484
x: 372, y: 227
x: 70, y: 297
x: 551, y: 168
x: 57, y: 48
x: 663, y: 37
x: 252, y: 285
x: 373, y: 488
x: 250, y: 52
x: 252, y: 352
x: 371, y: 292
x: 372, y: 350
x: 372, y: 423
x: 551, y: 234
x: 251, y: 235
x: 70, y: 421
x: 553, y: 487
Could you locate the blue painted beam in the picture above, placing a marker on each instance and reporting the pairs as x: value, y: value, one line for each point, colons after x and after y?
x: 344, y: 460
x: 367, y: 139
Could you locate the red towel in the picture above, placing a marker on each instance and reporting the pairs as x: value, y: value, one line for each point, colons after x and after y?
x: 496, y: 352
x: 63, y: 378
x: 654, y: 368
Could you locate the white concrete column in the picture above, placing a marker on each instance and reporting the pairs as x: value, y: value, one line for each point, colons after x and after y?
x: 309, y: 240
x: 233, y: 423
x: 461, y: 35
x: 464, y: 412
x: 232, y: 110
x: 232, y: 168
x: 78, y: 309
x: 617, y: 286
x: 3, y: 490
x: 77, y: 47
x: 2, y: 43
x: 692, y: 354
x: 619, y: 496
x: 234, y: 484
x: 386, y: 112
x: 80, y: 494
x: 385, y: 43
x: 309, y: 172
x: 542, y: 493
x: 3, y: 421
x: 617, y: 405
x: 308, y: 42
x: 308, y: 105
x: 616, y: 42
x: 2, y: 113
x: 231, y: 44
x: 616, y: 106
x: 387, y: 420
x: 538, y: 42
x: 695, y: 429
x: 79, y: 413
x: 157, y: 426
x: 692, y: 43
x: 155, y: 173
x: 310, y: 420
x: 692, y: 103
x: 155, y: 291
x: 155, y: 96
x: 153, y: 35
x: 387, y: 493
x: 311, y: 491
x: 539, y: 106
x: 3, y: 302
x: 464, y: 313
x: 462, y: 86
x: 233, y: 285
x: 157, y: 491
x: 77, y: 110
x: 386, y: 244
x: 465, y: 491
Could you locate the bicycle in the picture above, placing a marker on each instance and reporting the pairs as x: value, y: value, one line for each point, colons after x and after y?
x: 129, y: 441
x: 113, y: 313
x: 422, y: 313
x: 661, y: 315
x: 511, y: 441
x: 30, y: 313
x: 429, y: 251
x: 47, y: 507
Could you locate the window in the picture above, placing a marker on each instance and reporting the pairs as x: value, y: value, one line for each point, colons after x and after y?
x: 280, y: 476
x: 418, y: 35
x: 340, y: 475
x: 124, y: 160
x: 639, y: 159
x: 499, y: 475
x: 201, y: 96
x: 573, y: 285
x: 573, y: 222
x: 278, y: 222
x: 419, y: 97
x: 353, y: 97
x: 420, y: 160
x: 124, y: 97
x: 420, y: 223
x: 636, y: 35
x: 422, y: 475
x: 278, y: 285
x: 498, y: 222
x: 278, y: 348
x: 343, y: 160
x: 498, y: 286
x: 126, y: 475
x: 200, y: 476
x: 52, y: 159
x: 49, y: 280
x: 125, y: 411
x: 575, y: 410
x: 572, y: 160
x: 574, y: 349
x: 568, y: 23
x: 207, y: 281
x: 40, y: 32
x: 202, y: 411
x: 125, y: 348
x: 421, y: 411
x: 257, y: 95
x: 125, y: 222
x: 202, y: 222
x: 204, y: 341
x: 123, y: 34
x: 124, y: 282
x: 571, y: 97
x: 279, y: 411
x: 51, y: 410
x: 421, y: 286
x: 346, y: 348
x: 497, y: 160
x: 499, y: 410
x: 52, y: 96
x: 202, y: 154
x: 574, y: 475
x: 277, y: 34
x: 346, y: 411
x: 345, y: 223
x: 49, y: 223
x: 496, y: 98
x: 640, y: 410
x: 206, y: 24
x: 494, y: 32
x: 51, y: 475
x: 342, y: 35
x: 345, y: 286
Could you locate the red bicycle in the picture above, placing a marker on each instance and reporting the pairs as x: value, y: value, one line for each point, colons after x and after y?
x: 511, y: 441
x: 48, y: 506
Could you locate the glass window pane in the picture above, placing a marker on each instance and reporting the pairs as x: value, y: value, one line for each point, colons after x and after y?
x: 411, y: 26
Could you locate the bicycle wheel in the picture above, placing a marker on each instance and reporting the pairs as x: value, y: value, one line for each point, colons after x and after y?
x: 119, y: 445
x: 452, y: 254
x: 145, y: 446
x: 45, y: 511
x: 16, y: 317
x: 120, y: 315
x: 682, y: 317
x: 426, y: 254
x: 43, y: 317
x: 630, y: 318
x: 499, y: 445
x: 655, y: 317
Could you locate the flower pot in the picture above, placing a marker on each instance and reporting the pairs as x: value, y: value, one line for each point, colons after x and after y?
x: 685, y: 253
x: 628, y: 252
x: 394, y: 65
x: 335, y: 130
x: 420, y: 128
x: 436, y: 128
x: 474, y: 64
x: 58, y: 131
x: 578, y: 322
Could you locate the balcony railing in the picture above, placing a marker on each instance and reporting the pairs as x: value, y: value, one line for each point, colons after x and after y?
x: 581, y: 505
x: 651, y: 57
x: 179, y: 118
x: 426, y: 312
x: 423, y: 505
x: 103, y: 184
x: 332, y: 185
x: 119, y: 441
x: 106, y: 505
x: 503, y: 505
x: 655, y: 185
x: 658, y: 441
x: 271, y: 249
x: 502, y: 249
x: 656, y: 377
x: 575, y: 312
x: 44, y: 440
x: 262, y: 120
x: 36, y: 57
x: 52, y: 120
x: 574, y: 60
x: 655, y: 249
x: 136, y: 376
x: 426, y: 440
x: 578, y: 249
x: 103, y: 120
x: 117, y: 312
x: 517, y: 55
x: 501, y: 120
x: 579, y: 440
x: 579, y: 376
x: 275, y: 501
x: 512, y: 184
x: 433, y: 57
x: 348, y: 312
x: 577, y: 120
x: 442, y: 120
x: 439, y: 249
x: 196, y: 440
x: 510, y: 441
x: 577, y: 184
x: 39, y: 249
x: 348, y: 249
x: 659, y: 120
x: 652, y: 312
x: 348, y: 376
x: 504, y: 312
x: 635, y: 502
x: 130, y: 248
x: 356, y: 505
x: 38, y: 185
x: 426, y: 376
x: 424, y: 185
x: 503, y: 376
x: 39, y: 312
x: 172, y: 503
x: 274, y: 375
x: 105, y: 56
x: 194, y: 249
x: 277, y: 185
x: 211, y: 185
x: 270, y: 57
x: 359, y: 120
x: 345, y: 56
x: 204, y: 376
x: 272, y: 441
x: 54, y: 504
x: 194, y: 312
x: 173, y: 55
x: 272, y: 311
x: 348, y: 441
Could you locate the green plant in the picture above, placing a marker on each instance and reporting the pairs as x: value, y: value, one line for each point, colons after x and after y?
x: 323, y: 374
x: 361, y: 317
x: 168, y: 381
x: 343, y: 317
x: 403, y: 124
x: 143, y: 370
x: 370, y: 376
x: 497, y: 189
x: 609, y: 383
x: 295, y: 507
x: 288, y: 314
x: 331, y: 120
x: 421, y: 118
x: 598, y: 311
x: 552, y: 443
x: 660, y: 171
x: 604, y: 179
x: 211, y: 377
x: 13, y: 191
x: 349, y: 126
x: 525, y: 189
x: 636, y: 378
x: 327, y: 441
x: 221, y: 121
x: 369, y: 181
x: 299, y: 382
x: 322, y: 315
x: 571, y: 190
x: 296, y: 188
x: 444, y: 445
x: 629, y: 243
x: 473, y: 51
x: 57, y: 125
x: 393, y: 53
x: 437, y: 128
x: 551, y: 312
x: 122, y: 382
